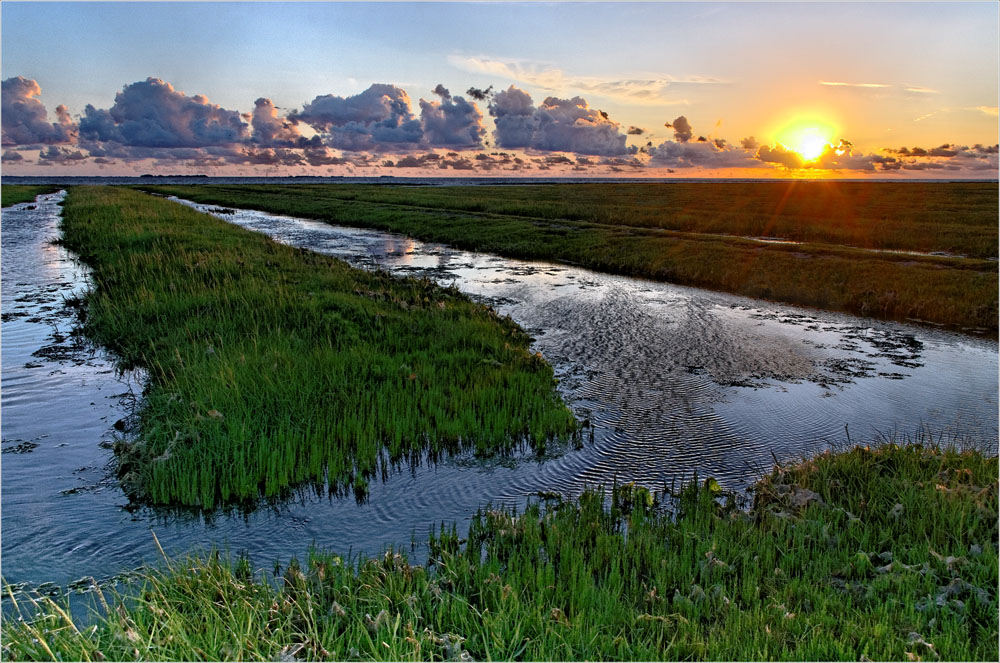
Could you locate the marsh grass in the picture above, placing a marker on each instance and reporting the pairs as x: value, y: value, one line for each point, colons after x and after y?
x: 270, y: 367
x: 884, y: 554
x: 12, y: 194
x: 670, y: 232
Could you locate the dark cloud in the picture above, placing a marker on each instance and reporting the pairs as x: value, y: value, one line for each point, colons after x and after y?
x: 414, y: 161
x: 705, y: 154
x: 781, y: 156
x: 452, y: 122
x: 280, y: 156
x: 923, y: 165
x: 60, y: 155
x: 682, y: 129
x: 23, y: 119
x: 320, y: 155
x: 750, y: 144
x: 441, y: 91
x: 617, y: 164
x: 636, y: 131
x: 480, y: 95
x: 557, y: 125
x: 462, y: 163
x: 10, y: 156
x: 152, y: 114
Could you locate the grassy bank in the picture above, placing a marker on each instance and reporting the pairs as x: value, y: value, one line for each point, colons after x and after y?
x: 12, y: 194
x: 671, y: 232
x: 270, y: 366
x: 887, y: 554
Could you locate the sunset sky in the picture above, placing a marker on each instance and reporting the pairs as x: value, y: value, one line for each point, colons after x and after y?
x: 875, y: 90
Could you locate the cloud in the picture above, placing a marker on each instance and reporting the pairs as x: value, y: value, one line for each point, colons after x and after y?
x: 513, y: 112
x: 947, y: 156
x: 478, y: 94
x: 60, y: 155
x: 859, y: 85
x: 993, y: 111
x: 442, y: 91
x: 10, y: 156
x: 557, y: 125
x: 152, y: 114
x: 682, y: 129
x: 636, y: 131
x: 23, y: 119
x: 709, y: 154
x: 649, y: 89
x: 270, y: 130
x: 780, y: 155
x: 452, y: 122
x: 913, y: 89
x: 377, y: 119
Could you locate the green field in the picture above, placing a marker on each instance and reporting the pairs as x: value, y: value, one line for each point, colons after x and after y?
x: 888, y: 554
x: 700, y: 234
x: 13, y: 194
x: 270, y: 367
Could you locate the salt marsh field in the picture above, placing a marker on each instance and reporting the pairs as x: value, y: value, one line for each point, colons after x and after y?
x: 669, y: 380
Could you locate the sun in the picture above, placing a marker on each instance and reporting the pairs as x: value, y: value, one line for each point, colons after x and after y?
x: 810, y: 137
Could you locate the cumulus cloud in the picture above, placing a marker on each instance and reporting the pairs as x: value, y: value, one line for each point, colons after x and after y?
x: 451, y: 122
x: 377, y: 119
x: 23, y: 119
x: 152, y: 114
x: 441, y: 91
x: 636, y: 131
x: 682, y: 129
x: 10, y: 156
x: 513, y: 112
x: 557, y: 125
x: 271, y: 130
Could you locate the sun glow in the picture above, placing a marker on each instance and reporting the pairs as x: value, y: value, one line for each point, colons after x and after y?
x: 810, y: 137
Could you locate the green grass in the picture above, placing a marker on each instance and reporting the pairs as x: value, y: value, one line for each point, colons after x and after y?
x: 270, y: 367
x: 670, y: 232
x: 886, y: 554
x: 12, y: 194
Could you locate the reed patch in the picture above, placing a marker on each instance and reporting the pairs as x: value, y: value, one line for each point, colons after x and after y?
x: 271, y: 367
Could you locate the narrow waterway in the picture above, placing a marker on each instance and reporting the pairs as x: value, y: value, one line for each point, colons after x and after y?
x: 673, y: 380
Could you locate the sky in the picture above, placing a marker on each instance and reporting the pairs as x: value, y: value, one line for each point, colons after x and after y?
x: 868, y: 90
